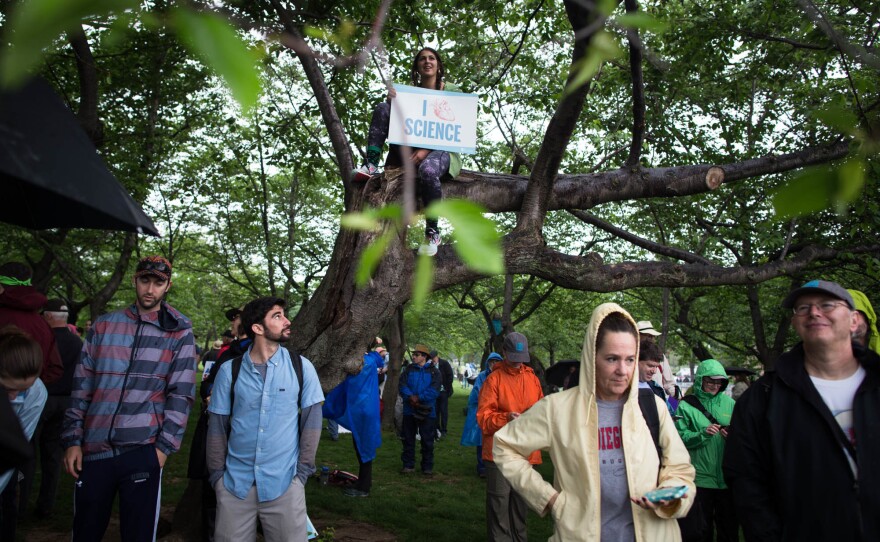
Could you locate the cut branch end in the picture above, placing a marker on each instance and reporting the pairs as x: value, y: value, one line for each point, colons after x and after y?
x: 714, y: 178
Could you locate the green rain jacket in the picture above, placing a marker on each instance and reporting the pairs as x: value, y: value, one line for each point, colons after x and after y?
x: 706, y: 451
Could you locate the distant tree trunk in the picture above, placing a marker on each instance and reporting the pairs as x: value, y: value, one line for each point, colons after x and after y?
x: 396, y: 346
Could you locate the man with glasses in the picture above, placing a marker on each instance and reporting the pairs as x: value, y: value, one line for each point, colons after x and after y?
x: 132, y: 392
x: 802, y: 449
x: 418, y: 388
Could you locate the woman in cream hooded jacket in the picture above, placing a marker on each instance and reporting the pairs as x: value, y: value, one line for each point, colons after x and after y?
x: 565, y: 424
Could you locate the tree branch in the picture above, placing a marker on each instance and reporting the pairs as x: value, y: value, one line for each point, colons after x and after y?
x: 523, y: 256
x: 535, y: 201
x: 88, y: 85
x: 862, y: 54
x: 656, y: 248
x: 335, y: 129
x: 507, y: 193
x: 638, y: 90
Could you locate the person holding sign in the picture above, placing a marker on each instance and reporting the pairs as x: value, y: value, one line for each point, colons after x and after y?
x: 431, y: 165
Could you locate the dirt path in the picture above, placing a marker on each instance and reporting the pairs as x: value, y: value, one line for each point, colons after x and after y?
x: 344, y: 530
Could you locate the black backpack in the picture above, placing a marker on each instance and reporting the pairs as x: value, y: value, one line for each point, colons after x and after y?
x: 648, y: 406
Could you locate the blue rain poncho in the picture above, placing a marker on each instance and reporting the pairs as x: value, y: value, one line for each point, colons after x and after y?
x: 354, y: 404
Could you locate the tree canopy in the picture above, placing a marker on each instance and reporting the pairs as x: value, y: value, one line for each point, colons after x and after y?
x: 690, y: 161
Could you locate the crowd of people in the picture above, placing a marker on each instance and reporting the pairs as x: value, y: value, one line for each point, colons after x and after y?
x: 792, y: 458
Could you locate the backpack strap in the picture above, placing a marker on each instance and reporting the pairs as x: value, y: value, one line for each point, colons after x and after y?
x: 295, y: 360
x: 694, y: 401
x: 236, y: 368
x: 648, y: 406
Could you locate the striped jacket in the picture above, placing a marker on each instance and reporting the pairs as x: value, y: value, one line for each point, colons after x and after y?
x: 134, y: 384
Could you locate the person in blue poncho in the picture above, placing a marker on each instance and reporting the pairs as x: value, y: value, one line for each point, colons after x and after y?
x: 472, y: 435
x: 354, y: 404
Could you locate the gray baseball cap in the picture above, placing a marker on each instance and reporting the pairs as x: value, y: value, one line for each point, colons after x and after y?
x: 516, y: 348
x: 821, y: 286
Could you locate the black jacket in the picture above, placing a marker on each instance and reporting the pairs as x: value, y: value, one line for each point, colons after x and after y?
x: 447, y: 375
x: 785, y: 459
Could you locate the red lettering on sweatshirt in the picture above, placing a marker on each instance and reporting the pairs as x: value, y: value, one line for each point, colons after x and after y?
x: 609, y: 438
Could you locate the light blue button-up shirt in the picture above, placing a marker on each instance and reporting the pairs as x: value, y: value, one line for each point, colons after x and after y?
x: 264, y: 440
x: 27, y: 405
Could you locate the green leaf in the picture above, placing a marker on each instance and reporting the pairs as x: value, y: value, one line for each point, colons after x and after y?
x: 850, y: 181
x: 476, y: 240
x: 607, y: 7
x: 810, y: 191
x: 838, y: 117
x: 216, y: 42
x: 422, y: 281
x: 642, y: 21
x: 603, y: 47
x: 371, y: 256
x: 391, y: 212
x: 35, y: 24
x: 821, y: 187
x: 315, y: 32
x: 360, y: 221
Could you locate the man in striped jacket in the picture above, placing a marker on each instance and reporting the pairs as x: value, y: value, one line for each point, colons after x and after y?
x: 132, y: 392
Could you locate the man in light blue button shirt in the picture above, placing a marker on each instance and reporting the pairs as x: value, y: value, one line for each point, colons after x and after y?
x: 261, y: 470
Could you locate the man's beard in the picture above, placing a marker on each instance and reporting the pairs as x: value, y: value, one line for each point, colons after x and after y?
x: 143, y: 304
x: 281, y: 337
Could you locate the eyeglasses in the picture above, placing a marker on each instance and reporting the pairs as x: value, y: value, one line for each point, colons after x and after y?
x: 424, y: 355
x: 712, y: 382
x: 824, y: 307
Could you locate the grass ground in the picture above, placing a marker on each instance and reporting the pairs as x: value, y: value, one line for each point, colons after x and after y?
x: 450, y: 506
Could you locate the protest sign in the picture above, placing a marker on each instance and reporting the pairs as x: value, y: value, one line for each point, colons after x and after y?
x: 434, y: 119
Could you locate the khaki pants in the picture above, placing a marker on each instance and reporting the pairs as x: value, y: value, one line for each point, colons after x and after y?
x: 505, y: 509
x: 283, y: 519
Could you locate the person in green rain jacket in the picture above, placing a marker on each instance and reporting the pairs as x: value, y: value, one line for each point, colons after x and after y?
x: 703, y: 418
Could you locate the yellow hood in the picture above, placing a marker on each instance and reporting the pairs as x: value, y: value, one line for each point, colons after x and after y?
x: 587, y: 378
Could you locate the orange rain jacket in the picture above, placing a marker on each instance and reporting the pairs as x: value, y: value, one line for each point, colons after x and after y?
x: 506, y: 389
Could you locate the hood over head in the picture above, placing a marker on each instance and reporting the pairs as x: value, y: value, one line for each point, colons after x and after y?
x: 709, y: 368
x: 22, y: 298
x: 587, y: 379
x: 863, y: 305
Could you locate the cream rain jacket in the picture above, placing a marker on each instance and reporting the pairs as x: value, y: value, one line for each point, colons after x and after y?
x: 565, y: 424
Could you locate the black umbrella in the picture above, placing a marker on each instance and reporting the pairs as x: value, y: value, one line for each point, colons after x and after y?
x: 734, y: 371
x: 556, y: 373
x: 51, y: 174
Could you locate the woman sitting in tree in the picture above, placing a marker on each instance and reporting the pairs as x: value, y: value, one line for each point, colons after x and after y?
x: 432, y: 165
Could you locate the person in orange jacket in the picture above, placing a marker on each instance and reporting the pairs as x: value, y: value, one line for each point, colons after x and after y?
x: 509, y: 390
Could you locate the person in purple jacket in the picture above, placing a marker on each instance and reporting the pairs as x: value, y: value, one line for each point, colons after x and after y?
x: 132, y: 392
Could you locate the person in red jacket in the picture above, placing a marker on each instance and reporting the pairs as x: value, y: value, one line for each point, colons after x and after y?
x: 509, y: 390
x: 20, y: 305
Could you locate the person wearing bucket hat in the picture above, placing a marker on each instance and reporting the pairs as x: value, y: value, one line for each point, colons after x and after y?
x: 509, y: 391
x: 418, y: 388
x: 808, y: 430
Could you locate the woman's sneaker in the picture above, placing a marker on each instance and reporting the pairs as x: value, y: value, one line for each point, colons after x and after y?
x: 432, y: 242
x: 365, y: 173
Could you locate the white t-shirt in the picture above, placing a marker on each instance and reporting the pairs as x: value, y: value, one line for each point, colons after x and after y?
x: 838, y: 396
